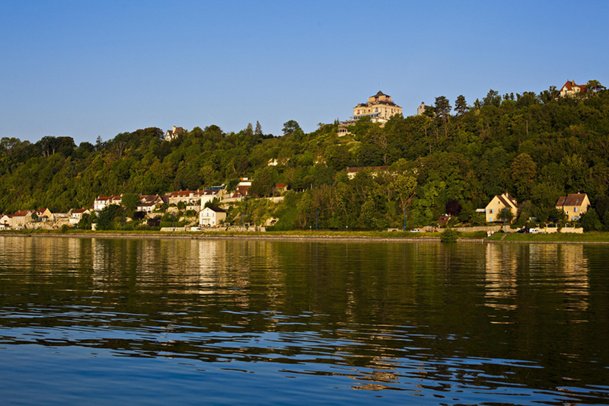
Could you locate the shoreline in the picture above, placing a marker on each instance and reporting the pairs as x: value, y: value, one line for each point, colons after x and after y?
x: 283, y: 237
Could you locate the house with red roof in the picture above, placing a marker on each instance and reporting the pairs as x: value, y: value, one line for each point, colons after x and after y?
x: 574, y: 205
x: 571, y: 89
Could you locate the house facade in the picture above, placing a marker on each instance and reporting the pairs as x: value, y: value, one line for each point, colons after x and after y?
x: 103, y: 201
x: 211, y: 216
x: 76, y: 215
x: 20, y: 219
x: 498, y: 204
x: 570, y: 89
x: 174, y: 133
x: 188, y: 197
x: 574, y: 205
x: 379, y: 107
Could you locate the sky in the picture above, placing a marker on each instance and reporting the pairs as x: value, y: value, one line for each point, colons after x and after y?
x: 99, y: 68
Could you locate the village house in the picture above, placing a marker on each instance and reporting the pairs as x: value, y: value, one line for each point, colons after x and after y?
x: 171, y: 135
x: 242, y: 188
x: 208, y: 195
x: 574, y: 205
x: 211, y: 216
x: 188, y: 197
x: 145, y: 207
x: 19, y: 219
x: 43, y: 215
x: 498, y: 204
x: 570, y: 89
x: 154, y: 199
x: 76, y: 215
x: 5, y: 222
x: 103, y: 201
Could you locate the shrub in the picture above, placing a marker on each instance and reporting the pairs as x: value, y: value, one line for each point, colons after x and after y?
x: 449, y: 236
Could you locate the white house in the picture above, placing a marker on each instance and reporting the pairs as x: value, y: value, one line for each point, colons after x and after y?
x: 103, y: 201
x: 211, y: 216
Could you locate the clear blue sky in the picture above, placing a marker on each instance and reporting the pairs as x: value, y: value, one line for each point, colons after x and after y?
x: 98, y: 68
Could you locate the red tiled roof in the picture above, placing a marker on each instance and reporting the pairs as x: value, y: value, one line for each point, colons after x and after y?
x: 571, y: 84
x: 21, y: 213
x: 78, y: 211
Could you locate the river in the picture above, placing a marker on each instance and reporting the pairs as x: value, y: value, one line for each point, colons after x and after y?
x: 159, y: 321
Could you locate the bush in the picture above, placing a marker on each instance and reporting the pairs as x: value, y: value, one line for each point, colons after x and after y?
x: 449, y: 236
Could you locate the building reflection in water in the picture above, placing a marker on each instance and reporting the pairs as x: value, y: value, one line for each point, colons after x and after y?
x: 509, y: 266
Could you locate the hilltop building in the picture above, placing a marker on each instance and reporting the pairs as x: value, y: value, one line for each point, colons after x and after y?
x: 171, y: 135
x: 380, y: 108
x: 570, y: 89
x: 421, y: 109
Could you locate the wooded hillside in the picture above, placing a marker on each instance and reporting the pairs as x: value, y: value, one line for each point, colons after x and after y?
x: 530, y: 145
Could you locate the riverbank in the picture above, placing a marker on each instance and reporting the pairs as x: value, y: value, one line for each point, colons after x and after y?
x: 389, y: 236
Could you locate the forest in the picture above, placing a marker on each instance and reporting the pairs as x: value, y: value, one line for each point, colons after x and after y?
x: 452, y: 159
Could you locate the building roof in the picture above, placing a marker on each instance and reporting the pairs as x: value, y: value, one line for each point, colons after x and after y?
x: 21, y: 213
x: 278, y: 185
x: 507, y: 200
x: 100, y: 198
x: 571, y: 84
x: 78, y: 211
x: 380, y: 94
x: 443, y: 220
x: 575, y: 199
x: 216, y: 209
x: 184, y: 193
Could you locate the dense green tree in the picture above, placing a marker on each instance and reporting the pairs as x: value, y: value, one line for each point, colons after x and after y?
x: 461, y: 105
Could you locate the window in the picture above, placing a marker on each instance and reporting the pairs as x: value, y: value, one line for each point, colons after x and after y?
x: 575, y: 209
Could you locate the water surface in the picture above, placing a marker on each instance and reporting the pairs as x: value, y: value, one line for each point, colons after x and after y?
x: 105, y: 321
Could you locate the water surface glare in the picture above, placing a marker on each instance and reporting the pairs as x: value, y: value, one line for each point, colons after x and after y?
x: 111, y: 321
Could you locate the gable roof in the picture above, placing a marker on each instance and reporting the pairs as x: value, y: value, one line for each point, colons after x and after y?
x: 507, y: 200
x: 571, y: 84
x: 574, y: 199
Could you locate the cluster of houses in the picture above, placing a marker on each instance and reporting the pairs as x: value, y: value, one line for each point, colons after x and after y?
x: 194, y: 200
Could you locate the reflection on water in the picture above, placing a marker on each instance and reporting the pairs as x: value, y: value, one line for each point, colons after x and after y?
x: 466, y: 323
